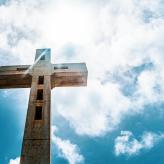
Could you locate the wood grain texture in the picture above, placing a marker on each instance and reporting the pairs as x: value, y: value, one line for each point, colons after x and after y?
x: 15, y: 77
x: 75, y: 75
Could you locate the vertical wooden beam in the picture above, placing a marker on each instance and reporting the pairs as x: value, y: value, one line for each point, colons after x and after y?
x: 36, y: 148
x: 36, y: 142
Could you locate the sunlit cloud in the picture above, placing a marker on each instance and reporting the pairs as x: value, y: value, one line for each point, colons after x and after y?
x: 127, y: 144
x: 66, y: 149
x: 67, y: 23
x: 15, y: 161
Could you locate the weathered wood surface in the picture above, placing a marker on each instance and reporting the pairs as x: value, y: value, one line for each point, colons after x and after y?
x: 62, y: 75
x: 15, y: 77
x: 36, y: 147
x: 69, y: 75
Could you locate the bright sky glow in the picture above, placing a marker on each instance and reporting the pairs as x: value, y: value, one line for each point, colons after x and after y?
x: 67, y: 23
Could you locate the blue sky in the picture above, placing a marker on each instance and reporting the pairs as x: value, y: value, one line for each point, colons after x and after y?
x: 118, y: 118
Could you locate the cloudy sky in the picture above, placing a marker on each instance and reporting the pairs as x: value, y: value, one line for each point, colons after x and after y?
x: 118, y: 118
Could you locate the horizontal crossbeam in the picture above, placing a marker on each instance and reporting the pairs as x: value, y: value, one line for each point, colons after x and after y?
x: 15, y: 77
x: 62, y: 75
x: 72, y: 74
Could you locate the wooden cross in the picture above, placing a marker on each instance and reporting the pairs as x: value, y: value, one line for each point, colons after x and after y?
x: 41, y: 77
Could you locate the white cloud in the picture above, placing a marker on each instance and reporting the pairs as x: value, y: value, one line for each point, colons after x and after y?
x: 95, y: 110
x: 108, y: 37
x: 66, y: 149
x: 126, y: 144
x: 15, y: 161
x: 147, y: 82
